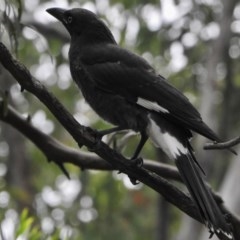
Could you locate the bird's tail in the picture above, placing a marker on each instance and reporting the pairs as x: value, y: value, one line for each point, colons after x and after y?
x: 193, y: 177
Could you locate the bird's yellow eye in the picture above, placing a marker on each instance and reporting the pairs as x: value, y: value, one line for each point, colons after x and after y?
x: 69, y: 19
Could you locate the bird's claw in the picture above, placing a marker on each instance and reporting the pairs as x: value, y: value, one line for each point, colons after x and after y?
x: 97, y: 137
x: 137, y: 162
x: 133, y: 180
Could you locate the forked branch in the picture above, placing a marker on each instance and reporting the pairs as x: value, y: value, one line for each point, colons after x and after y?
x: 86, y: 136
x: 223, y: 145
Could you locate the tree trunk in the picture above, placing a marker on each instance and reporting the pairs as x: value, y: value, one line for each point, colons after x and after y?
x: 190, y: 229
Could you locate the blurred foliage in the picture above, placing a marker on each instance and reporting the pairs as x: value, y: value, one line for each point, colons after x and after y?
x: 175, y: 37
x: 27, y: 230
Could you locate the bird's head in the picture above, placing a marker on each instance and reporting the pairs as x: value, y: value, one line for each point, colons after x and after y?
x: 83, y: 23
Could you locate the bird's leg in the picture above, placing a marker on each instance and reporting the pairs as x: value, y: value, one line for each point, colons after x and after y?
x: 137, y: 160
x: 102, y: 133
x: 99, y: 134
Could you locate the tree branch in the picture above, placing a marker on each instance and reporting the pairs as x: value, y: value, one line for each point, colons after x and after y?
x: 86, y: 136
x: 223, y: 145
x: 59, y: 153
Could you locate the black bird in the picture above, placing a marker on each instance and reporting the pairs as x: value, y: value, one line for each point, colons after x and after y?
x: 127, y: 92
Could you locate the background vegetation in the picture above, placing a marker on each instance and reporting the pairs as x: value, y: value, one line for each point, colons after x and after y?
x: 193, y: 43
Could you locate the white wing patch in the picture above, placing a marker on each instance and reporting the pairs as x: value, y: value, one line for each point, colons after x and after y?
x: 168, y: 143
x: 151, y: 105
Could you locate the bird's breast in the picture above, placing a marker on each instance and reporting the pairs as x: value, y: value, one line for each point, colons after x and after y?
x: 111, y: 107
x: 116, y: 110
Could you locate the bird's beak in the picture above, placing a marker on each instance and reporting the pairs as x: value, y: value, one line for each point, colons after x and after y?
x: 58, y: 13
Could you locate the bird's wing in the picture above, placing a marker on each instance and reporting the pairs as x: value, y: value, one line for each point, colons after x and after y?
x: 121, y: 72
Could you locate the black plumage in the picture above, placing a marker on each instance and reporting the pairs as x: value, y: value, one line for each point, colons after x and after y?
x: 127, y: 92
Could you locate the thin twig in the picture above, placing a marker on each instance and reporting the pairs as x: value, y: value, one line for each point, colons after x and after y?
x: 223, y: 145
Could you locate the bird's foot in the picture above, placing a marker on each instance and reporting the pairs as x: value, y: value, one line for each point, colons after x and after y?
x: 109, y: 131
x: 136, y: 162
x: 133, y: 180
x: 96, y: 137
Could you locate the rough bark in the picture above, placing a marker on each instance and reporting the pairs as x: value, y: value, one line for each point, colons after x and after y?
x: 86, y: 136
